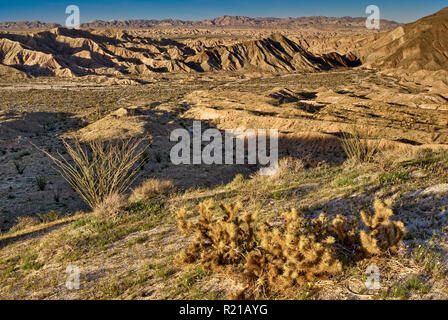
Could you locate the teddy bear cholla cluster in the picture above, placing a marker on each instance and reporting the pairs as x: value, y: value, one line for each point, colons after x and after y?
x: 268, y: 258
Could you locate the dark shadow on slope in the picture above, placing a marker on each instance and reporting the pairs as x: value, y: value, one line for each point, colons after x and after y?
x: 310, y: 108
x: 35, y: 124
x: 423, y: 214
x: 34, y: 70
x: 32, y: 234
x: 352, y: 94
x: 45, y: 129
x: 20, y: 195
x: 411, y: 142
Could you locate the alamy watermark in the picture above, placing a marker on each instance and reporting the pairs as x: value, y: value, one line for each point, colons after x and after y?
x: 73, y: 19
x: 189, y: 149
x: 373, y: 279
x: 73, y: 280
x: 373, y: 20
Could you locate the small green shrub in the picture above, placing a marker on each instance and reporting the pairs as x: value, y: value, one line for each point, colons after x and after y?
x: 41, y: 182
x: 51, y: 216
x: 29, y: 262
x: 158, y: 157
x: 19, y: 167
x: 394, y: 177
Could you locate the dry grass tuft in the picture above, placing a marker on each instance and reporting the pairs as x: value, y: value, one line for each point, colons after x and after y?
x: 24, y: 222
x: 99, y: 169
x: 359, y: 146
x: 151, y: 188
x: 289, y: 165
x: 113, y: 205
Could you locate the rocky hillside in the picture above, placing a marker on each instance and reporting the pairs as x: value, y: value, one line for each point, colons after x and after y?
x: 276, y: 53
x: 66, y: 53
x: 415, y: 51
x: 419, y: 48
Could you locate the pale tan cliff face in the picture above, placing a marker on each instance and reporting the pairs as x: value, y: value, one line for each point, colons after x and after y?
x: 417, y: 50
x: 67, y: 53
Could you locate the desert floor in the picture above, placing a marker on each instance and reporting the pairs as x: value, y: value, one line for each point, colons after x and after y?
x: 132, y: 256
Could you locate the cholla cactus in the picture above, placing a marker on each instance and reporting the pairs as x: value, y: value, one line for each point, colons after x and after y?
x: 288, y: 256
x: 217, y: 242
x: 383, y: 234
x: 345, y: 229
x: 271, y: 259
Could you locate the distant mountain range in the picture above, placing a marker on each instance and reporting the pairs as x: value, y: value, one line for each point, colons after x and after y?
x: 224, y: 21
x: 27, y: 25
x: 417, y: 51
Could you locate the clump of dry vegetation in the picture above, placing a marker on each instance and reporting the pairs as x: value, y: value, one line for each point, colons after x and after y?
x: 286, y: 256
x: 383, y: 234
x: 270, y: 258
x: 112, y: 206
x: 151, y: 188
x: 358, y: 146
x: 97, y: 169
x: 218, y: 241
x: 24, y: 222
x: 345, y: 229
x: 288, y: 166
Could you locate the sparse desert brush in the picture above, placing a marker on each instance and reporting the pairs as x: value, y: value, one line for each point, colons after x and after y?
x: 151, y: 188
x: 41, y: 182
x: 383, y: 234
x: 421, y: 157
x: 19, y: 167
x: 112, y: 206
x: 359, y: 145
x: 53, y: 215
x: 407, y: 156
x: 289, y: 165
x: 24, y: 222
x: 238, y: 181
x: 273, y: 258
x: 288, y: 169
x: 432, y: 260
x: 99, y: 169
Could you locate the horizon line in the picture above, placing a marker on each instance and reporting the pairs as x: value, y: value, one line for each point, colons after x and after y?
x: 204, y: 19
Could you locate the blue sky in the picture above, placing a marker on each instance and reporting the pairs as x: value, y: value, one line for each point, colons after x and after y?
x: 54, y: 11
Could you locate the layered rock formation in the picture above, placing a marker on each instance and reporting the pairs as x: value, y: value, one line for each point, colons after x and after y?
x: 64, y: 52
x: 276, y: 53
x: 417, y: 50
